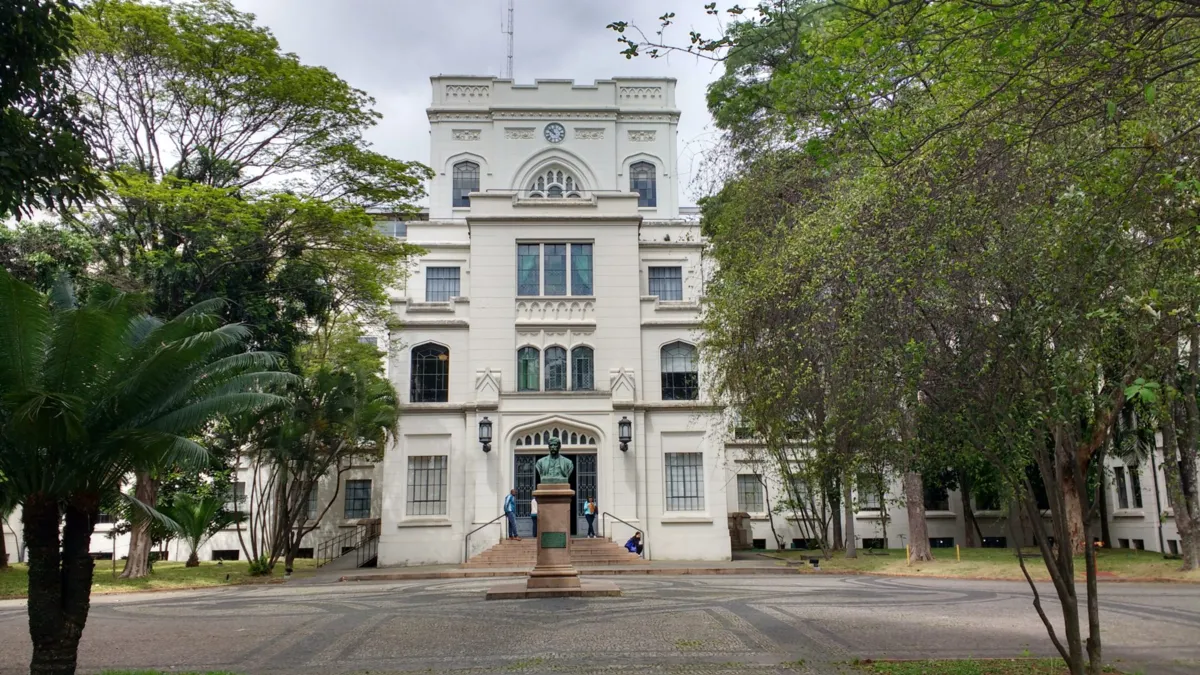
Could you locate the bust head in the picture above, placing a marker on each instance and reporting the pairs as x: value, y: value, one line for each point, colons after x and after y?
x: 555, y: 446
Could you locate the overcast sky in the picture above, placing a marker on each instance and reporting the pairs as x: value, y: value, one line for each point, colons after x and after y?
x: 390, y: 48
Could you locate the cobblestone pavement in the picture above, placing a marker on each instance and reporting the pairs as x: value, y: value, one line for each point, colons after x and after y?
x: 709, y: 625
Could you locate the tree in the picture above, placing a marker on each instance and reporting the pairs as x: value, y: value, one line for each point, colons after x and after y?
x: 344, y: 410
x: 195, y: 519
x: 239, y: 173
x: 46, y: 163
x: 38, y: 252
x: 88, y: 394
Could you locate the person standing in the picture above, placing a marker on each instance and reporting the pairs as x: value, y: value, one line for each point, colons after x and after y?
x: 533, y: 514
x: 589, y: 512
x: 510, y: 513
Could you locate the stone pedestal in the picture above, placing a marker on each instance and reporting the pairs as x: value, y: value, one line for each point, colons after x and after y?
x: 554, y: 568
x: 554, y: 576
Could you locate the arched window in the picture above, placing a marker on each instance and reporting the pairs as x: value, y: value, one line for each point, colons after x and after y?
x: 582, y: 369
x: 680, y: 377
x: 556, y: 369
x: 527, y: 369
x: 554, y: 184
x: 642, y: 181
x: 430, y: 374
x: 466, y: 181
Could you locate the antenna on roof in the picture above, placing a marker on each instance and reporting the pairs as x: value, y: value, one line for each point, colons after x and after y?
x: 508, y: 30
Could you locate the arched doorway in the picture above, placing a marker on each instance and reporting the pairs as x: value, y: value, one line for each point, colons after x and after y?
x: 579, y: 446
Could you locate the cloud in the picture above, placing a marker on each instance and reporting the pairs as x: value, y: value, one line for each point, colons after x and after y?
x: 390, y: 48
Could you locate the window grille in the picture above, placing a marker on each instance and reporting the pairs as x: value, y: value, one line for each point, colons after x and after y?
x: 427, y: 486
x: 666, y: 283
x: 441, y: 284
x: 556, y: 369
x: 750, y: 493
x: 466, y: 181
x: 554, y: 184
x: 555, y: 256
x: 1135, y: 486
x: 310, y: 508
x: 527, y: 369
x: 430, y: 374
x: 642, y: 181
x: 868, y: 492
x: 582, y: 369
x: 529, y: 275
x: 680, y: 378
x: 685, y: 481
x: 1122, y: 489
x: 581, y: 269
x: 936, y: 498
x: 358, y: 499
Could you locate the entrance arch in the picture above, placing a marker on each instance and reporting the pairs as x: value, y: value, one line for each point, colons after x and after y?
x: 580, y: 443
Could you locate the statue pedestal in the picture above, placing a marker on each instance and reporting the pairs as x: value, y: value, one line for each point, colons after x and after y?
x: 554, y: 568
x: 554, y: 576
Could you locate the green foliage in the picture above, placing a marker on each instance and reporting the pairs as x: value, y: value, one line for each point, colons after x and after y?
x: 196, y: 519
x: 259, y: 567
x: 44, y: 160
x: 38, y: 252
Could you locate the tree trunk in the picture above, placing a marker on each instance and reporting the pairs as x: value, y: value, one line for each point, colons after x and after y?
x: 1064, y: 455
x: 1105, y: 533
x: 834, y: 495
x: 3, y: 548
x: 1185, y: 518
x: 848, y: 509
x: 970, y: 527
x: 193, y: 560
x: 918, y: 530
x: 60, y: 585
x: 137, y: 565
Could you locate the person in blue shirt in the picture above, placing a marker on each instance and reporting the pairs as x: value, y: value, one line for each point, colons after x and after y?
x: 634, y: 545
x: 510, y: 512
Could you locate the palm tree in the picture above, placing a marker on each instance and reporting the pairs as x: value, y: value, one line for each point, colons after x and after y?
x: 89, y: 394
x: 195, y: 519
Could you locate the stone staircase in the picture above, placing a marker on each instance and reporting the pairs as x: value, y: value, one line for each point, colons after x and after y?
x: 584, y: 553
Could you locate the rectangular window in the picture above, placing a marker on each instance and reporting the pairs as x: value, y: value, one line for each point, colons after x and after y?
x: 1173, y: 545
x: 104, y: 518
x: 529, y: 273
x: 1139, y: 545
x: 555, y: 256
x: 1122, y: 489
x: 395, y: 229
x: 237, y: 499
x: 685, y: 481
x: 358, y: 499
x: 666, y: 283
x: 1135, y: 486
x: 441, y: 284
x: 868, y: 492
x: 936, y: 498
x: 542, y: 269
x: 875, y: 543
x: 799, y: 494
x: 1122, y: 543
x: 427, y: 486
x: 226, y: 554
x: 941, y: 542
x: 750, y: 493
x: 581, y: 269
x: 310, y: 509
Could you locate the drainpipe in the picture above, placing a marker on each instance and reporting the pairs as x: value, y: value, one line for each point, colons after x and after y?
x: 1157, y: 503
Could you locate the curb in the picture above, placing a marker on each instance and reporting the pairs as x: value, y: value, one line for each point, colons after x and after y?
x: 486, y: 574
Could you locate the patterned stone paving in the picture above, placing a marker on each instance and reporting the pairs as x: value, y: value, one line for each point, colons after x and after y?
x: 667, y: 625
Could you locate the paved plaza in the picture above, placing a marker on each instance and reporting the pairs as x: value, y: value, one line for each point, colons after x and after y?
x: 718, y: 624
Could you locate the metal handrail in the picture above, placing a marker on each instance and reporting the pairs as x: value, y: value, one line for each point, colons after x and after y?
x: 639, y: 530
x: 467, y: 539
x: 369, y: 547
x: 331, y: 549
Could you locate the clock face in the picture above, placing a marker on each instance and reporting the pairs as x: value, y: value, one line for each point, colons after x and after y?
x: 555, y: 133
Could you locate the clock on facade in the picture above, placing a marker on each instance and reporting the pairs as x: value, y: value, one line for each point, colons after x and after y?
x: 555, y: 133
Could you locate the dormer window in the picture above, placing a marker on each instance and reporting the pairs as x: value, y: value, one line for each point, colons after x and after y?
x: 555, y: 184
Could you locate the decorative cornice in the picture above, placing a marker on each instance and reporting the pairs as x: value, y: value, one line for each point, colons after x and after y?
x: 642, y: 135
x: 466, y: 134
x: 519, y: 133
x: 447, y: 324
x: 641, y: 93
x: 468, y: 91
x: 582, y: 134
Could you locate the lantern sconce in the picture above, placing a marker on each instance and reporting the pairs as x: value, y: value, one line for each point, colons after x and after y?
x: 485, y: 434
x: 624, y: 433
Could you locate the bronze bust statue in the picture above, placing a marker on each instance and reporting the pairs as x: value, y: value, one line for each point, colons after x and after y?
x: 555, y: 468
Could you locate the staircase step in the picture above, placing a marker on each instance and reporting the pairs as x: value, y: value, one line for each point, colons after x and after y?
x: 584, y: 551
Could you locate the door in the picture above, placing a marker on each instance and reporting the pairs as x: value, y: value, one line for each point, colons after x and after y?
x: 585, y: 487
x: 526, y: 477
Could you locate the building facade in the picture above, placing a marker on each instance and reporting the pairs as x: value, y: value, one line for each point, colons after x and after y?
x: 559, y: 296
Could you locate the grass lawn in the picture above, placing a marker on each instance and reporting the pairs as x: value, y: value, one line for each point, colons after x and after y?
x: 969, y: 667
x: 166, y: 575
x: 998, y: 563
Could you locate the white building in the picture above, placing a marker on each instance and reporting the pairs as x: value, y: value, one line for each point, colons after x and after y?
x: 559, y: 295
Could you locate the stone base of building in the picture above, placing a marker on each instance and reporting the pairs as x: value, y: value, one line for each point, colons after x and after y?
x: 588, y: 588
